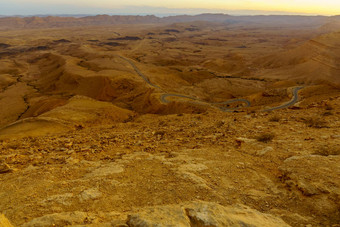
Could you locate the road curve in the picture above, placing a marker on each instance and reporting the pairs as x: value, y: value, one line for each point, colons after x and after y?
x: 288, y: 104
x: 225, y: 109
x: 164, y: 97
x: 145, y: 78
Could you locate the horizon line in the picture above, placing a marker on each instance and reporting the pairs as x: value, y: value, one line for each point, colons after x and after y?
x: 274, y: 13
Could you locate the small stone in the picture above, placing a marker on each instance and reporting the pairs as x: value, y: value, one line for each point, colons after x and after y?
x: 70, y: 152
x: 85, y: 149
x: 4, y: 168
x: 68, y: 145
x: 240, y: 140
x: 245, y: 139
x: 264, y: 151
x: 139, y: 143
x: 72, y: 161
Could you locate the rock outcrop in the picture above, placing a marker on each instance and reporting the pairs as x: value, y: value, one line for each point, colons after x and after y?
x: 317, y: 178
x: 202, y: 214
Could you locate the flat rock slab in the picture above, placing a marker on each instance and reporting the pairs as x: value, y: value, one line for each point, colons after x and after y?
x: 197, y: 214
x: 90, y: 194
x: 61, y: 219
x: 313, y: 174
x: 105, y: 170
x: 317, y: 178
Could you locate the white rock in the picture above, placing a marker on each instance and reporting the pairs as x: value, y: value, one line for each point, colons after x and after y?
x: 92, y: 193
x: 264, y: 151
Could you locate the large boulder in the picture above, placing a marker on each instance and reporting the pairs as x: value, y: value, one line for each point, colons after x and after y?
x: 202, y: 214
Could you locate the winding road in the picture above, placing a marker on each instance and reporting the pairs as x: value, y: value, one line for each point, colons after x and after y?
x: 145, y: 78
x: 222, y: 108
x: 290, y: 103
x: 164, y: 96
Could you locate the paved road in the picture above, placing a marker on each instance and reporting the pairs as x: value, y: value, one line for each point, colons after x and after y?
x: 164, y: 97
x: 290, y: 103
x: 145, y: 78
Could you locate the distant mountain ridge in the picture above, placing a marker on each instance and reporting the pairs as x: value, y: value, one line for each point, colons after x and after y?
x: 102, y: 20
x: 52, y: 21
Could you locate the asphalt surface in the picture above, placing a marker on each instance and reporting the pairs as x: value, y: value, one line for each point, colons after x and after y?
x: 145, y: 78
x: 226, y: 109
x: 164, y: 97
x: 290, y: 103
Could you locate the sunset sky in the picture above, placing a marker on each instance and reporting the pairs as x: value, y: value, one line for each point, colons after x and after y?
x: 24, y: 7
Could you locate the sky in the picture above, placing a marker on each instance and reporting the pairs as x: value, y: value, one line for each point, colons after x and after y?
x: 164, y: 7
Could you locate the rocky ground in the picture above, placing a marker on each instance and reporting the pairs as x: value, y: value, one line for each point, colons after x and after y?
x: 276, y: 169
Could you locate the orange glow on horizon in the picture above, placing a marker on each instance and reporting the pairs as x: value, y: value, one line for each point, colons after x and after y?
x: 322, y: 7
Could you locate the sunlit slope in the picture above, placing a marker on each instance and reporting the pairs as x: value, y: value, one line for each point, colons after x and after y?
x: 317, y: 60
x: 331, y: 25
x: 102, y: 77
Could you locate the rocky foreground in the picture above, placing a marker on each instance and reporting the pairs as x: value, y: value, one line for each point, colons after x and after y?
x: 211, y: 169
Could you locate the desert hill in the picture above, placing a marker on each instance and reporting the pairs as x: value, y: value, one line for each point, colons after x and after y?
x: 332, y: 24
x: 290, y: 21
x: 51, y: 22
x: 315, y: 61
x: 100, y: 20
x: 189, y: 59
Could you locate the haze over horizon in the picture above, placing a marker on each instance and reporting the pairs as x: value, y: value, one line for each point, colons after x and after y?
x: 242, y: 7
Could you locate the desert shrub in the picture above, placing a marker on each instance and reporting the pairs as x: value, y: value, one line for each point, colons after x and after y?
x: 314, y: 122
x: 199, y: 118
x: 265, y: 137
x: 219, y: 124
x: 13, y: 145
x: 274, y: 118
x: 162, y: 123
x: 329, y: 107
x: 327, y: 150
x: 327, y: 113
x: 159, y: 133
